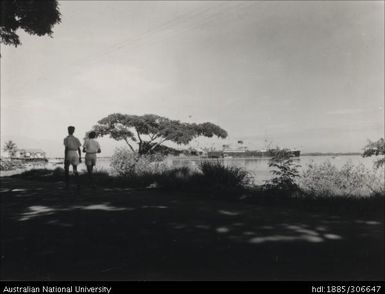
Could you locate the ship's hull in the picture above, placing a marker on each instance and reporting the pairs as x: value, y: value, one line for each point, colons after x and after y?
x: 248, y: 154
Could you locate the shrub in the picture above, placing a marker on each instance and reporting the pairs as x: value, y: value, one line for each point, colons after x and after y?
x: 58, y: 172
x: 285, y: 172
x: 126, y: 163
x: 326, y: 180
x: 211, y: 176
x: 217, y: 175
x: 176, y: 178
x: 376, y: 149
x: 10, y: 164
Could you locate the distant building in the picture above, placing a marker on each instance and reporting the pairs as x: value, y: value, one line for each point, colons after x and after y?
x: 30, y: 154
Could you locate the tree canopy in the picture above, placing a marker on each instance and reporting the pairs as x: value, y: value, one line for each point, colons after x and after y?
x: 376, y: 148
x: 36, y: 17
x: 10, y: 147
x: 150, y: 131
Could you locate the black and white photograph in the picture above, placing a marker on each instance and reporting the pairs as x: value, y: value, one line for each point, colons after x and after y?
x: 192, y: 141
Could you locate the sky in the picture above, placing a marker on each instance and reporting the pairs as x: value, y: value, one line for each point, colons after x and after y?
x: 296, y: 74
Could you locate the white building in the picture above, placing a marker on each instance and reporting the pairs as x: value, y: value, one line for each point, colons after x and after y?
x: 30, y: 154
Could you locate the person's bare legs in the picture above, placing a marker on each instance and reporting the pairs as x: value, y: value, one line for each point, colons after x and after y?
x: 67, y: 173
x: 90, y: 177
x: 89, y: 169
x: 75, y: 169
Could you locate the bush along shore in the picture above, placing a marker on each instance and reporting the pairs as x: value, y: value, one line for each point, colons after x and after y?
x: 8, y: 164
x: 214, y: 180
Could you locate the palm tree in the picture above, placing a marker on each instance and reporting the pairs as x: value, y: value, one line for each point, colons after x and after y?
x: 11, y: 148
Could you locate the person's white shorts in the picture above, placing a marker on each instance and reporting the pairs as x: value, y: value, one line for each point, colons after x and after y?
x: 90, y: 159
x: 72, y: 157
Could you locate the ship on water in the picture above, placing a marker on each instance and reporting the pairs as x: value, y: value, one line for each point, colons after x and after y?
x: 243, y: 152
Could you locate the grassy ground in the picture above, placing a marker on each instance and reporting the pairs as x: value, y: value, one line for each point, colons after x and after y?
x: 106, y: 233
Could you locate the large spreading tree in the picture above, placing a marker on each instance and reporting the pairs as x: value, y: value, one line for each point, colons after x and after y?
x: 150, y: 131
x: 36, y: 17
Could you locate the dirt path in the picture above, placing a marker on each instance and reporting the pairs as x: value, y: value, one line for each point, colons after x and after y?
x: 48, y: 233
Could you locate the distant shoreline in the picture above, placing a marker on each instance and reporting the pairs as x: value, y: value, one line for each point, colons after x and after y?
x: 330, y: 154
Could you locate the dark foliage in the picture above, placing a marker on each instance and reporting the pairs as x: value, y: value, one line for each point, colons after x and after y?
x: 376, y: 148
x: 36, y: 17
x: 159, y: 149
x: 285, y: 171
x: 221, y: 177
x: 10, y: 147
x: 6, y: 164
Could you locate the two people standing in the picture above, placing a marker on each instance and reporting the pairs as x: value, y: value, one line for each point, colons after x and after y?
x: 73, y: 155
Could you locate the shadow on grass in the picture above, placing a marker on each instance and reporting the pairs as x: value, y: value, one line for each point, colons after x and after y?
x: 49, y: 233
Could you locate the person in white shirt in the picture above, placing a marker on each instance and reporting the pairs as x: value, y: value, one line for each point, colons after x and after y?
x: 91, y: 147
x: 72, y: 155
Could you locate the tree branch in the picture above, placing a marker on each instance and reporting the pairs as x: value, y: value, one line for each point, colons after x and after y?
x: 153, y: 137
x: 161, y: 142
x: 137, y: 133
x: 140, y: 141
x: 157, y: 144
x: 129, y: 145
